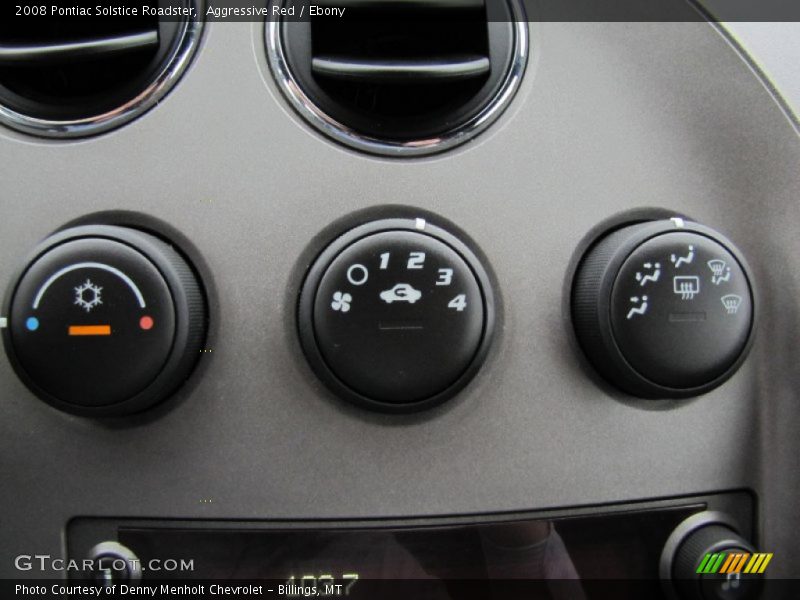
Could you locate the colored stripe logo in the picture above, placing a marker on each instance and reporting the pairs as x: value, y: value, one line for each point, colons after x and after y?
x: 734, y: 562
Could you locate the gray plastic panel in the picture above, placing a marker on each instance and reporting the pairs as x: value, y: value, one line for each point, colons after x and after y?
x: 611, y: 118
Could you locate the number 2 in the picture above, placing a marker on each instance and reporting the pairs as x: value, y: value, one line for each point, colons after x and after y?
x: 416, y: 260
x: 459, y: 302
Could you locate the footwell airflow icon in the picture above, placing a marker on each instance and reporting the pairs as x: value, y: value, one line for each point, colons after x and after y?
x: 734, y: 562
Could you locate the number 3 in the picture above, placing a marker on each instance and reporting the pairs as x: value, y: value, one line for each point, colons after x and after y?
x: 445, y: 277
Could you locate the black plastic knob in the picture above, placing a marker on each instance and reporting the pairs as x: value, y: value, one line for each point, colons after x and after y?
x: 706, y: 558
x: 664, y: 309
x: 113, y: 563
x: 104, y: 320
x: 396, y: 315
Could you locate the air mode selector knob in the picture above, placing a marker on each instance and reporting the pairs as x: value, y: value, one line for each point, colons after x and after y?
x: 104, y: 320
x: 664, y: 309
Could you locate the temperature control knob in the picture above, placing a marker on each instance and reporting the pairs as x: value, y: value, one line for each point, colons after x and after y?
x: 396, y: 315
x: 664, y: 309
x: 104, y: 320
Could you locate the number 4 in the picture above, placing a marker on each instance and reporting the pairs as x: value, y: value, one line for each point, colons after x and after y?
x: 459, y: 302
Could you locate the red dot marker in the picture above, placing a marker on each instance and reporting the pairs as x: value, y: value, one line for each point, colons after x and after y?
x: 146, y: 323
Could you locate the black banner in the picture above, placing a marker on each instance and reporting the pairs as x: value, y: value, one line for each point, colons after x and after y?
x: 384, y: 589
x: 303, y: 10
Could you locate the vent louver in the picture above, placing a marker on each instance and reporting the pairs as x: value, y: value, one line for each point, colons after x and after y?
x: 73, y: 78
x: 401, y: 76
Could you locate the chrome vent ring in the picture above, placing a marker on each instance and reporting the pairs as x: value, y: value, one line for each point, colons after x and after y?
x: 133, y: 67
x: 325, y: 70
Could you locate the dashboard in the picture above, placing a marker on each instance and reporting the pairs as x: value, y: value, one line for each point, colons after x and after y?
x: 404, y: 305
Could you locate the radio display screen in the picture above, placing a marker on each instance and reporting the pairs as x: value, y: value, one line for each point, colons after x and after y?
x: 613, y: 546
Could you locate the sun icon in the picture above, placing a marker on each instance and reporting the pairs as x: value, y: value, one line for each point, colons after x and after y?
x: 87, y: 295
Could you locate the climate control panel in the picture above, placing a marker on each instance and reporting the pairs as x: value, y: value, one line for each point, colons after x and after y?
x: 395, y: 314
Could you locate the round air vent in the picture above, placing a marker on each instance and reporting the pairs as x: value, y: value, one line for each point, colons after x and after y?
x: 72, y: 77
x: 400, y: 77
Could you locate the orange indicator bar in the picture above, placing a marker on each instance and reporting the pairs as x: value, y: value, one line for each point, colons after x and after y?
x: 90, y: 329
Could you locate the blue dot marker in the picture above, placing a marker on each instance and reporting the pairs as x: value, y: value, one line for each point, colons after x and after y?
x: 32, y: 323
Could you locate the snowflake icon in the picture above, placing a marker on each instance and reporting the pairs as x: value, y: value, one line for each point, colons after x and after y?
x: 87, y: 295
x: 341, y: 302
